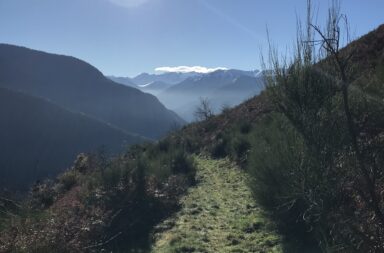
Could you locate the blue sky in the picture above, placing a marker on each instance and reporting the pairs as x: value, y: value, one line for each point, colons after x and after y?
x: 127, y: 37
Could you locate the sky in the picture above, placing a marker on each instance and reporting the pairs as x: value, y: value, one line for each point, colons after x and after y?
x: 128, y: 37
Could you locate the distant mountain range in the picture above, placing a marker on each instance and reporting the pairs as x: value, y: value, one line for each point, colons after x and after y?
x: 54, y: 106
x: 154, y: 83
x: 145, y: 78
x: 222, y: 88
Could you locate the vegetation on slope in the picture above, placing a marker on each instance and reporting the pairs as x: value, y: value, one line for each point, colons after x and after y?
x: 334, y: 183
x: 295, y: 142
x: 99, y: 203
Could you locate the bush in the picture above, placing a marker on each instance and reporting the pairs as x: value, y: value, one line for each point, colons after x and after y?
x: 163, y: 145
x: 233, y: 142
x: 241, y: 147
x: 245, y: 127
x: 288, y: 181
x: 43, y: 194
x: 183, y: 164
x: 112, y: 175
x: 221, y: 147
x: 68, y: 180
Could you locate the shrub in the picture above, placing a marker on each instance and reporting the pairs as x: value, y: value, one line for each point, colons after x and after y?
x: 43, y: 194
x: 183, y: 164
x: 112, y: 175
x: 288, y: 181
x: 163, y: 145
x: 245, y: 127
x: 221, y: 147
x: 68, y: 180
x: 241, y: 147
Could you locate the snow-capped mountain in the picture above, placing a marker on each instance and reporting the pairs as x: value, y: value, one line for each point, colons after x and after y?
x: 181, y: 92
x: 169, y: 77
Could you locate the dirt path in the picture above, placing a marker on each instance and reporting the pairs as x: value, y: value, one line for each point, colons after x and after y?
x: 218, y: 215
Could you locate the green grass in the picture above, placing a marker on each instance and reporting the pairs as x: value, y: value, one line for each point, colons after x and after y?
x: 218, y: 215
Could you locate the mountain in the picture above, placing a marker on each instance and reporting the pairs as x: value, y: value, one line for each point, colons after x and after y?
x: 123, y: 80
x: 169, y: 77
x: 40, y: 139
x: 181, y: 92
x: 154, y: 87
x: 79, y: 87
x: 221, y: 88
x: 210, y: 81
x: 154, y: 83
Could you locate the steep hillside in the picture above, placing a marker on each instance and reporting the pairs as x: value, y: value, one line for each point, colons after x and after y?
x: 40, y: 139
x: 79, y: 87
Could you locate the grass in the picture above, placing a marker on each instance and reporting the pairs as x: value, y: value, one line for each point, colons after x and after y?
x: 218, y: 215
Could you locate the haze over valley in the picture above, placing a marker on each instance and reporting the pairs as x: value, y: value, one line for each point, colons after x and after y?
x: 182, y: 91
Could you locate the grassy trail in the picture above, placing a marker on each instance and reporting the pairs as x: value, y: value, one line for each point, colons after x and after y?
x: 218, y: 215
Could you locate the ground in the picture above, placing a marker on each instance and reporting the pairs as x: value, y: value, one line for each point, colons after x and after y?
x: 218, y: 215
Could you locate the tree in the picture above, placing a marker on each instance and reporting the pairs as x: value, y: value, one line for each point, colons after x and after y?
x: 204, y: 109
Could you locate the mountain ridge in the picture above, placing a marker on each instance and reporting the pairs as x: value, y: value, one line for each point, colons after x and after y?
x: 78, y: 86
x: 220, y: 88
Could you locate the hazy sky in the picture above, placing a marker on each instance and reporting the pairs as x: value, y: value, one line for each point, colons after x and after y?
x: 127, y: 37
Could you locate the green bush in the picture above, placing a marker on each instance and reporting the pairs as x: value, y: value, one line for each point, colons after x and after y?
x: 233, y: 142
x: 241, y: 147
x: 183, y: 164
x: 112, y: 175
x: 245, y: 127
x: 274, y: 161
x: 288, y: 181
x: 163, y: 145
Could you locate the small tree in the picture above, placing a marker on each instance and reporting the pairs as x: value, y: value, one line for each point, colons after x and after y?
x: 204, y: 110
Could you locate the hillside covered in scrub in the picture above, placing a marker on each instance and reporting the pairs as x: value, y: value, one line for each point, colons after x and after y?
x: 298, y: 168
